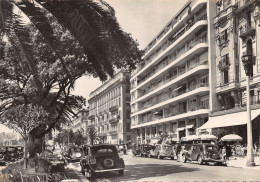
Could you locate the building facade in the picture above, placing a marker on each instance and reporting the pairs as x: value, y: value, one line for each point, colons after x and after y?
x: 109, y: 109
x: 170, y: 89
x: 80, y: 123
x: 237, y: 34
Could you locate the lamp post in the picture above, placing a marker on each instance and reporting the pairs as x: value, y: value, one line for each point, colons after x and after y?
x: 248, y: 66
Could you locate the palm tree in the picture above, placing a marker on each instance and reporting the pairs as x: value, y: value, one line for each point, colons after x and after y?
x: 92, y: 23
x: 92, y: 135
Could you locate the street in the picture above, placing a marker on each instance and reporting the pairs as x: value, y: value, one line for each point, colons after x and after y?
x: 146, y: 169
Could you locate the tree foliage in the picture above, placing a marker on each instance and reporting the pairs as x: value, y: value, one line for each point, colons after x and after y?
x: 92, y: 135
x: 62, y: 41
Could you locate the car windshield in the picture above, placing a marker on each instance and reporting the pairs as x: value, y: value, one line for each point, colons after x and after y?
x: 77, y: 150
x: 212, y: 148
x: 20, y: 148
x: 166, y: 147
x: 103, y: 150
x: 11, y: 149
x: 148, y: 146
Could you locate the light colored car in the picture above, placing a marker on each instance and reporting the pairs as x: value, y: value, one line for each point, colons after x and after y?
x: 161, y: 150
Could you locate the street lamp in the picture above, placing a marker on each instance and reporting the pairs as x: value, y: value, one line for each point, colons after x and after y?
x: 248, y: 66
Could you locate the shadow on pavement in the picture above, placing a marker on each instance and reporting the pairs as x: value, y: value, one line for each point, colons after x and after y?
x: 139, y: 171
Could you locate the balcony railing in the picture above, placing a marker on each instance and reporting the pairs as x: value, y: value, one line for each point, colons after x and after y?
x: 188, y: 26
x: 168, y: 96
x: 200, y: 39
x: 246, y: 29
x: 173, y: 76
x: 243, y: 3
x: 174, y: 113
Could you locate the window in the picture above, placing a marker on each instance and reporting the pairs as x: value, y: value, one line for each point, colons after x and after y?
x: 223, y: 36
x: 225, y: 76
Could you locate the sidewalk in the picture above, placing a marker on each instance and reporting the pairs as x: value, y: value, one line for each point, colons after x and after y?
x: 241, y: 162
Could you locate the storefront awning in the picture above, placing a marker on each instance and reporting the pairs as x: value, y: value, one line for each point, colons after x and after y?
x: 233, y: 119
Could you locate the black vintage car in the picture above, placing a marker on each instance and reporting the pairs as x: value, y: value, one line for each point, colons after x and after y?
x: 20, y: 152
x: 3, y: 156
x: 12, y: 153
x: 203, y: 152
x: 143, y: 150
x: 101, y: 158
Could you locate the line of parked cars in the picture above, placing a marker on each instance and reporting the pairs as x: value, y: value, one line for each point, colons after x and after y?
x: 10, y: 154
x: 200, y: 152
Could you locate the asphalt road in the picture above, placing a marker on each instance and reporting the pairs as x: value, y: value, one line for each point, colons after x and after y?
x: 146, y: 169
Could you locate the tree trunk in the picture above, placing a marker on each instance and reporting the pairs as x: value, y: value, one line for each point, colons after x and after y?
x: 26, y: 141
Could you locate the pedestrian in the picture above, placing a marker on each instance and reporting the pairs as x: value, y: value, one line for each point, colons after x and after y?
x: 178, y: 151
x: 124, y: 149
x: 255, y: 149
x: 228, y: 151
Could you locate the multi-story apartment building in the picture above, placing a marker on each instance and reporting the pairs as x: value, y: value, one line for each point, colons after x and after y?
x: 109, y: 109
x: 80, y: 123
x: 170, y: 89
x: 237, y: 34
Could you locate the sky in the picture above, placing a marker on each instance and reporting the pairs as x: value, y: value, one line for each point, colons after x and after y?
x: 143, y: 19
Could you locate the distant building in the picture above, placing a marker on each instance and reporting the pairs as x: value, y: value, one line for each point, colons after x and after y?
x: 109, y: 109
x: 10, y: 139
x: 80, y: 123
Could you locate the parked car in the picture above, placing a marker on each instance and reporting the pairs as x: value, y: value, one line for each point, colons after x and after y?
x: 3, y: 156
x: 72, y: 154
x: 20, y: 152
x: 56, y: 160
x: 101, y: 158
x: 12, y: 153
x: 136, y: 149
x: 203, y: 152
x: 161, y: 150
x: 145, y: 150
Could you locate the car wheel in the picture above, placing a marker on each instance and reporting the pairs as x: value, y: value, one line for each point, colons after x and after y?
x: 184, y: 159
x: 200, y: 161
x: 121, y: 172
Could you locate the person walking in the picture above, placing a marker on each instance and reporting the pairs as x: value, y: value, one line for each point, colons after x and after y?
x: 178, y: 151
x: 228, y: 151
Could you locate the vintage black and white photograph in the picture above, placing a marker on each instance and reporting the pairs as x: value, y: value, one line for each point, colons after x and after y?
x: 129, y: 90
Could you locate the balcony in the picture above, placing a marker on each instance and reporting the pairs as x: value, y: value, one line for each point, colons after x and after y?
x: 177, y: 40
x: 112, y: 132
x: 154, y: 70
x: 114, y: 120
x: 255, y: 104
x: 246, y: 30
x: 113, y: 108
x: 176, y: 116
x: 244, y: 5
x: 223, y: 14
x: 169, y: 97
